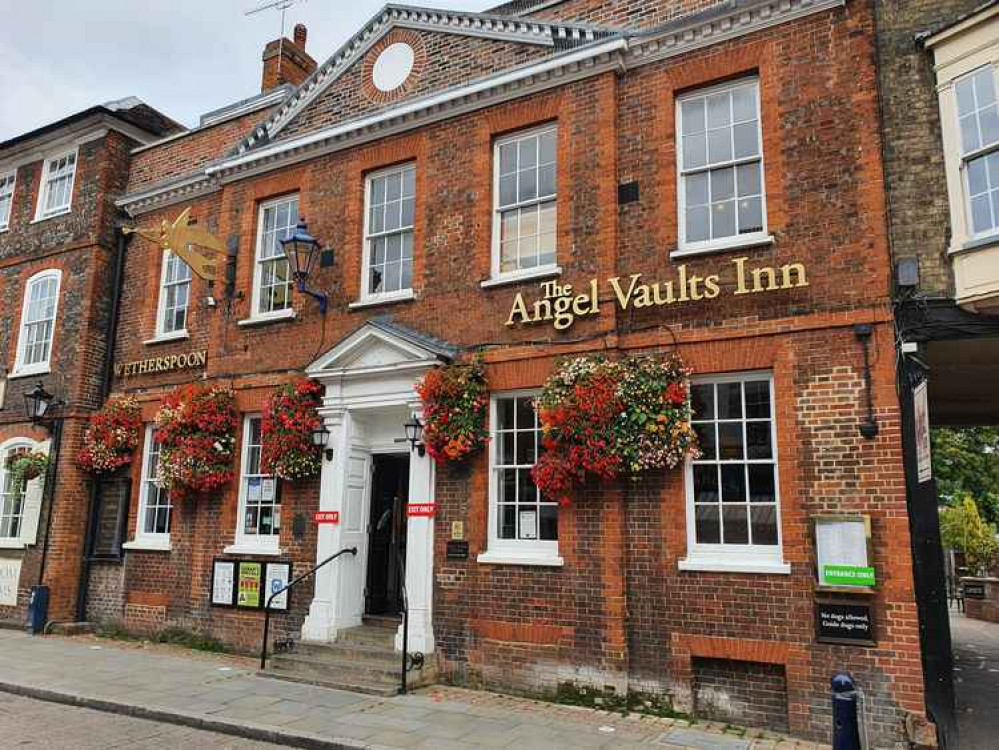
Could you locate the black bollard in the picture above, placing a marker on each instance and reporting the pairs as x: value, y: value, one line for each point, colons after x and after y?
x: 846, y: 729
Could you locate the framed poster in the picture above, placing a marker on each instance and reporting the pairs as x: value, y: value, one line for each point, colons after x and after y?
x: 224, y: 583
x: 921, y: 411
x: 843, y: 552
x: 278, y: 576
x: 248, y: 585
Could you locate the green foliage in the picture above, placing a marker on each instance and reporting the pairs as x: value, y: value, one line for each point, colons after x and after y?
x: 966, y: 462
x: 571, y: 694
x: 173, y: 636
x: 963, y: 529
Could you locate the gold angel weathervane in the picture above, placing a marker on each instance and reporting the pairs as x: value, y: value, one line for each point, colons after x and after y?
x: 197, y: 247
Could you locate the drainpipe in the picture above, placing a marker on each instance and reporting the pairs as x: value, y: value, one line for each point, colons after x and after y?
x: 108, y: 370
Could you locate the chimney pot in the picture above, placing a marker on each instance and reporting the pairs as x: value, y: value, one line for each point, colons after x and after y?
x: 301, y: 34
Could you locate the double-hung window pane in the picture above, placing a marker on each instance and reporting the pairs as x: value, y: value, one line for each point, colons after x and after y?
x: 721, y: 164
x: 39, y: 320
x: 526, y: 200
x: 734, y: 482
x: 522, y: 513
x: 176, y: 293
x: 6, y: 197
x: 261, y: 507
x: 278, y: 221
x: 58, y: 190
x: 978, y: 113
x: 11, y: 496
x: 155, y: 498
x: 391, y: 209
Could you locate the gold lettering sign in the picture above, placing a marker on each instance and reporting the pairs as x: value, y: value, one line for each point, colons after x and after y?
x: 562, y: 305
x: 197, y: 247
x: 162, y: 364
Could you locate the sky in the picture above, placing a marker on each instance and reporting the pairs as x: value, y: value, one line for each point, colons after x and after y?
x: 184, y: 57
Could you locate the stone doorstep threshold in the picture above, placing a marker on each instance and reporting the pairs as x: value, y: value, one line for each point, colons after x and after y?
x: 245, y: 730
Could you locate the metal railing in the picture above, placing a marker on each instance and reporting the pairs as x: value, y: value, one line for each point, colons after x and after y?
x: 286, y: 587
x: 417, y: 659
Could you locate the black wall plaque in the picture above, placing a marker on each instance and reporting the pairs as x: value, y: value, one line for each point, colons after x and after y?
x: 457, y: 549
x: 851, y: 624
x: 974, y: 590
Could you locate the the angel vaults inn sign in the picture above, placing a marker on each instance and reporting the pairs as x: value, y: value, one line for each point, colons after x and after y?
x: 562, y: 304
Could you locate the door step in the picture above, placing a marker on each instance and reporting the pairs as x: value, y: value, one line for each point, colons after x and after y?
x: 362, y: 660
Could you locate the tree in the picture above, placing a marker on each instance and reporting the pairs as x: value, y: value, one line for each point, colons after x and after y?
x: 964, y: 530
x: 966, y: 462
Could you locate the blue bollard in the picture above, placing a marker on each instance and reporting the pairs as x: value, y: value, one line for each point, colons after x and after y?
x: 846, y: 729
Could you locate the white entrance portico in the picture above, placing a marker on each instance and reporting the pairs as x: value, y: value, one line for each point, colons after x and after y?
x: 370, y: 379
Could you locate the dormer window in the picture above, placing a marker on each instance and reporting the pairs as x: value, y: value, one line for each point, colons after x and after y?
x: 56, y: 194
x: 7, y: 180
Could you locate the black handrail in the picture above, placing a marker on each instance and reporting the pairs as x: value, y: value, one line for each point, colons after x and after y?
x: 270, y: 599
x: 405, y: 624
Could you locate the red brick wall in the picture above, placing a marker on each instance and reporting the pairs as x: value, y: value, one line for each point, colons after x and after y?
x: 619, y: 612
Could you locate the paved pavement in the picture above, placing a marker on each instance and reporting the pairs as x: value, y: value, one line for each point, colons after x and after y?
x: 225, y: 695
x: 976, y: 681
x: 32, y: 725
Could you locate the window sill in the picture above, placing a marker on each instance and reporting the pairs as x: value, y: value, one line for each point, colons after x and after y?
x: 29, y: 372
x: 764, y: 566
x: 978, y: 243
x: 12, y: 544
x: 265, y: 318
x: 247, y: 548
x: 385, y: 299
x: 167, y: 337
x: 502, y: 558
x: 518, y: 277
x: 147, y: 545
x: 39, y: 219
x: 4, y: 228
x: 745, y: 242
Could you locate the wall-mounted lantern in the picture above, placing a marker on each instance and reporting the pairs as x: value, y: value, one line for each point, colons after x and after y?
x: 303, y: 251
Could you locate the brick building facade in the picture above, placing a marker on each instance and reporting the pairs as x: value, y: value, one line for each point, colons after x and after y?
x: 57, y: 249
x: 731, y: 155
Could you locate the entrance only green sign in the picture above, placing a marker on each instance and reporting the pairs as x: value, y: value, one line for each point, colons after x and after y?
x: 847, y: 575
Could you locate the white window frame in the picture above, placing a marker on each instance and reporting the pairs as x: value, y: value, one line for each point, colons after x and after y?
x: 551, y: 269
x: 256, y: 544
x: 736, y: 558
x: 761, y: 237
x: 161, y: 333
x: 21, y: 369
x: 288, y: 312
x: 5, y: 450
x: 8, y: 184
x: 966, y: 157
x: 399, y: 294
x: 43, y: 189
x: 510, y: 551
x: 145, y: 540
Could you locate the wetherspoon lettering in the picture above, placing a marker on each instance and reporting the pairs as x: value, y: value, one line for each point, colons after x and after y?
x: 562, y: 304
x: 162, y: 364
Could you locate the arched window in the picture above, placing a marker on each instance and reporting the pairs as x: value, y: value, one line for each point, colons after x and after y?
x: 38, y: 316
x: 11, y: 497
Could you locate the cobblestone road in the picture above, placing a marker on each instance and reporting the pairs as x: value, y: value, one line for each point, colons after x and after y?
x: 26, y: 723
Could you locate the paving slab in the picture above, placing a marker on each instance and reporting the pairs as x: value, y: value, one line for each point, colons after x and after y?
x: 225, y: 694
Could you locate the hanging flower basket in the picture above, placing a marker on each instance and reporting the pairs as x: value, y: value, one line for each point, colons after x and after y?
x: 24, y: 467
x: 603, y: 419
x: 289, y: 418
x: 196, y: 432
x: 111, y: 438
x: 455, y: 410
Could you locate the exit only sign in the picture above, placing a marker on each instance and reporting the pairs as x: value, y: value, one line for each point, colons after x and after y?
x: 327, y: 517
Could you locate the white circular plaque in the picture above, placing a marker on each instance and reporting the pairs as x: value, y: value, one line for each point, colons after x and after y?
x: 393, y: 66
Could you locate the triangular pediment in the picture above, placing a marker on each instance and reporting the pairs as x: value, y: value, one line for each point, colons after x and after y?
x: 380, y: 346
x: 446, y: 49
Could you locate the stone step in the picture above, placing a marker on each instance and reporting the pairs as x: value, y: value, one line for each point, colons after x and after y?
x: 350, y: 652
x: 378, y: 690
x: 368, y: 635
x: 342, y: 672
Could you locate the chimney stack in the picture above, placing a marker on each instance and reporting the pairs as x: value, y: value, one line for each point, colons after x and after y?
x: 286, y: 61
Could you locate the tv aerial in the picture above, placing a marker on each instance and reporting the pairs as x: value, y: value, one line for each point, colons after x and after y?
x: 283, y: 6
